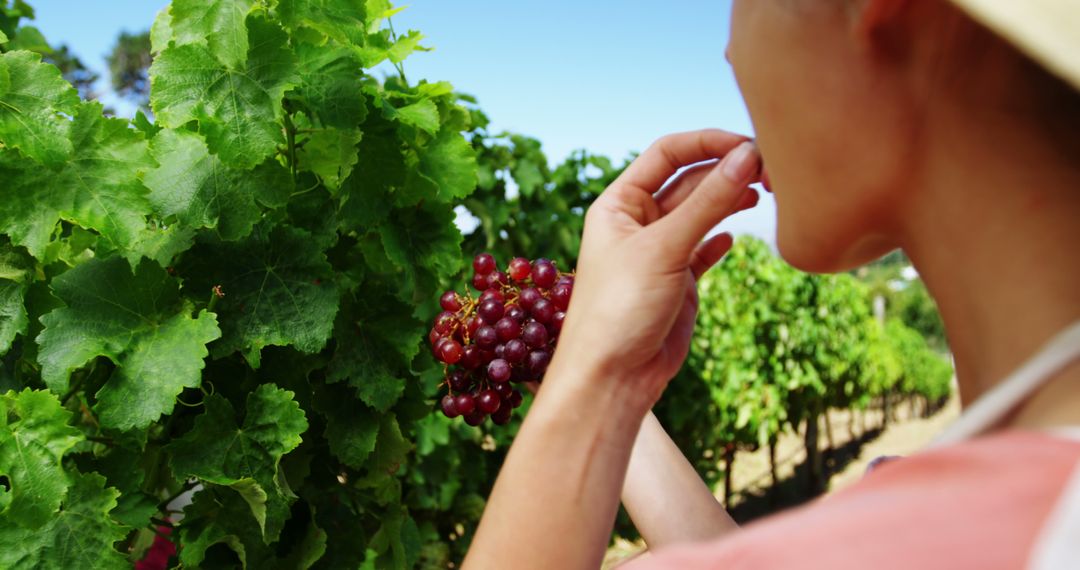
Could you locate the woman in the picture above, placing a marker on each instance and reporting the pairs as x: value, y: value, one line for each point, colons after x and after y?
x: 884, y: 124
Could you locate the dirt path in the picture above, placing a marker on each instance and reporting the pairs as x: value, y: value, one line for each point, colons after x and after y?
x: 754, y: 494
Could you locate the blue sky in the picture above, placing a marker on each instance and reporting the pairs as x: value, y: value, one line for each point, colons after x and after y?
x: 608, y: 76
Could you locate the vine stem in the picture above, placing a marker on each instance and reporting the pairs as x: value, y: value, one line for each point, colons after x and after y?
x: 73, y: 389
x: 393, y: 38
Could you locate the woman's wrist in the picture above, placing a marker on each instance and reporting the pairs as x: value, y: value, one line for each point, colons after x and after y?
x: 575, y: 386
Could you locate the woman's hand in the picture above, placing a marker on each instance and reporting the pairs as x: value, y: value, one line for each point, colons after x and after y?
x: 635, y: 297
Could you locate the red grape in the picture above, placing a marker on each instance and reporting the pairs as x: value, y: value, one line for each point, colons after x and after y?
x: 444, y: 322
x: 498, y: 370
x: 449, y: 406
x: 492, y: 295
x: 450, y: 352
x: 557, y: 321
x: 450, y: 301
x: 534, y: 334
x: 527, y: 297
x: 483, y: 264
x: 474, y: 418
x: 480, y: 282
x: 519, y: 269
x: 542, y: 310
x: 508, y: 329
x: 436, y: 348
x: 491, y: 311
x: 502, y: 416
x: 458, y: 380
x: 514, y: 311
x: 488, y: 401
x: 472, y: 325
x: 538, y: 361
x: 515, y: 351
x: 496, y: 279
x: 471, y: 357
x: 544, y: 273
x: 486, y: 337
x: 515, y: 399
x: 465, y: 403
x: 560, y: 295
x: 503, y: 389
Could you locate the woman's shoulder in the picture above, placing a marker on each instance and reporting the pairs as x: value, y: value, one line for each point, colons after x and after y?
x: 977, y: 504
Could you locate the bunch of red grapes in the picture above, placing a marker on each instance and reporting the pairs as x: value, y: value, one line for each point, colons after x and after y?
x: 505, y: 336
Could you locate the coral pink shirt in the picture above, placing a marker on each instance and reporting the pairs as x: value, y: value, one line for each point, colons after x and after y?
x: 980, y: 504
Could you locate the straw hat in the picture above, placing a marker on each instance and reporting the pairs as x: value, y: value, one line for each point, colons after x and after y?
x: 1048, y: 31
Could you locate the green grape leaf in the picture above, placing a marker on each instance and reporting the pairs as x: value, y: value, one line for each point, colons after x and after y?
x: 207, y: 522
x: 201, y: 191
x: 391, y: 449
x: 30, y: 38
x: 161, y: 244
x: 400, y: 536
x: 34, y: 436
x: 238, y: 107
x: 15, y: 276
x: 423, y: 115
x: 331, y: 84
x: 278, y: 288
x: 212, y: 518
x: 33, y: 96
x: 331, y: 154
x: 450, y: 161
x: 361, y: 360
x: 219, y: 24
x: 136, y: 320
x: 3, y: 38
x: 220, y: 451
x: 81, y: 535
x: 405, y: 46
x: 380, y: 171
x: 351, y: 429
x: 161, y: 32
x: 340, y: 20
x: 423, y: 245
x: 125, y: 470
x: 98, y: 189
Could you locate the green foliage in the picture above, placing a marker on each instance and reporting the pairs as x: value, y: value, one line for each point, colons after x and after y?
x: 524, y: 208
x: 233, y: 297
x: 774, y: 347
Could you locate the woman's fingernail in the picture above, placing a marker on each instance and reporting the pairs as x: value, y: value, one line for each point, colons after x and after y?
x: 742, y: 163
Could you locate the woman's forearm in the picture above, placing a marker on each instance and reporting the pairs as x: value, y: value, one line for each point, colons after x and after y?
x: 559, y: 487
x: 667, y: 500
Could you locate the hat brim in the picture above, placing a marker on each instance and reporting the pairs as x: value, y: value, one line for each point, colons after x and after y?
x: 1048, y: 31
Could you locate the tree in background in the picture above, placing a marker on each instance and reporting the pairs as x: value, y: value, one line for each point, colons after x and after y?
x: 129, y: 66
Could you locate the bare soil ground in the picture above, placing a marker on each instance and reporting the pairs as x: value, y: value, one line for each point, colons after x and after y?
x: 855, y: 446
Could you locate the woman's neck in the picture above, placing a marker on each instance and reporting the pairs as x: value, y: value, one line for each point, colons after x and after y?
x: 994, y: 233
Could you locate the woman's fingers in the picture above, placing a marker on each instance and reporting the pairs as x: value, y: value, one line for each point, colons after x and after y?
x: 708, y: 252
x: 718, y: 195
x: 672, y: 152
x: 675, y: 191
x: 633, y: 191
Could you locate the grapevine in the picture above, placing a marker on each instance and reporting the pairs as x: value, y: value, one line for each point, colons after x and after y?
x: 505, y: 336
